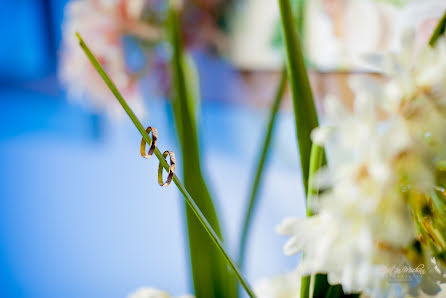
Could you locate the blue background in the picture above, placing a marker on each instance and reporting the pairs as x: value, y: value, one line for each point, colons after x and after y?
x: 81, y: 214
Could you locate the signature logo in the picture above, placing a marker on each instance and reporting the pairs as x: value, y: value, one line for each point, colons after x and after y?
x: 403, y: 273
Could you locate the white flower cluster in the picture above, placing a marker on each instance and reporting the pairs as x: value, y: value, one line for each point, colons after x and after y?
x: 283, y: 286
x: 153, y: 293
x: 339, y: 32
x: 102, y: 24
x: 382, y: 204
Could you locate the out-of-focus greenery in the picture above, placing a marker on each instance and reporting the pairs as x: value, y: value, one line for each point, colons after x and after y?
x: 396, y: 2
x: 303, y: 104
x: 210, y: 272
x: 257, y: 178
x: 439, y: 30
x: 304, y: 110
x: 298, y: 7
x: 188, y: 199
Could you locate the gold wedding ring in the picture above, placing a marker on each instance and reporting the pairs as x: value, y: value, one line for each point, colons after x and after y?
x: 171, y: 169
x: 152, y: 145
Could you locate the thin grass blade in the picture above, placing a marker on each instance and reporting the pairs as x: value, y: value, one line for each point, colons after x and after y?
x: 439, y: 30
x: 252, y: 202
x: 303, y: 104
x: 210, y: 274
x: 189, y: 200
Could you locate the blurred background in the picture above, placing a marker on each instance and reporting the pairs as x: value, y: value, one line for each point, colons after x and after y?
x: 81, y: 213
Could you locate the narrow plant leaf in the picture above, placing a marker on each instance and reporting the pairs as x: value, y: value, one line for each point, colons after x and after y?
x: 252, y: 202
x: 321, y: 286
x: 188, y: 198
x: 303, y: 104
x: 439, y: 30
x: 210, y: 274
x: 316, y: 161
x: 335, y: 292
x: 193, y: 86
x: 438, y: 201
x: 300, y: 17
x: 305, y: 286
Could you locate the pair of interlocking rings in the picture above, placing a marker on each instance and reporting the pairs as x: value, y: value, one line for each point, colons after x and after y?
x: 150, y: 153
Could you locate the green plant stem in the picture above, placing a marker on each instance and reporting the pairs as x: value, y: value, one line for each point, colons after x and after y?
x: 305, y: 286
x: 439, y: 30
x: 335, y: 292
x: 321, y: 285
x: 211, y: 277
x: 316, y: 160
x: 300, y: 17
x: 189, y: 200
x: 252, y: 203
x: 303, y: 104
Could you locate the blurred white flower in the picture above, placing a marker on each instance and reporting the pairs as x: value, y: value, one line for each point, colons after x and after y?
x: 376, y: 211
x: 153, y: 293
x: 421, y: 16
x: 283, y: 286
x: 253, y: 29
x: 149, y: 293
x: 102, y: 24
x: 340, y: 32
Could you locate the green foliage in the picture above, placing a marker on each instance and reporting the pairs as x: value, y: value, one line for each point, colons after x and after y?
x: 298, y: 7
x: 334, y: 292
x: 317, y: 159
x: 303, y: 104
x: 190, y: 202
x: 396, y: 2
x: 439, y: 31
x: 210, y: 273
x: 253, y: 198
x: 304, y: 108
x: 321, y: 286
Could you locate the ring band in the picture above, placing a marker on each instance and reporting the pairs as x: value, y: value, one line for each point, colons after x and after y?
x: 152, y: 145
x: 171, y: 169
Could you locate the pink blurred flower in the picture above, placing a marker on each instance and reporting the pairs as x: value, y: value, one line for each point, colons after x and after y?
x: 102, y: 24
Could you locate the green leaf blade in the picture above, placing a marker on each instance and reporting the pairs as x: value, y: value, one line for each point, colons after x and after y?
x: 439, y: 30
x: 211, y: 276
x: 303, y: 105
x: 253, y: 198
x: 190, y: 202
